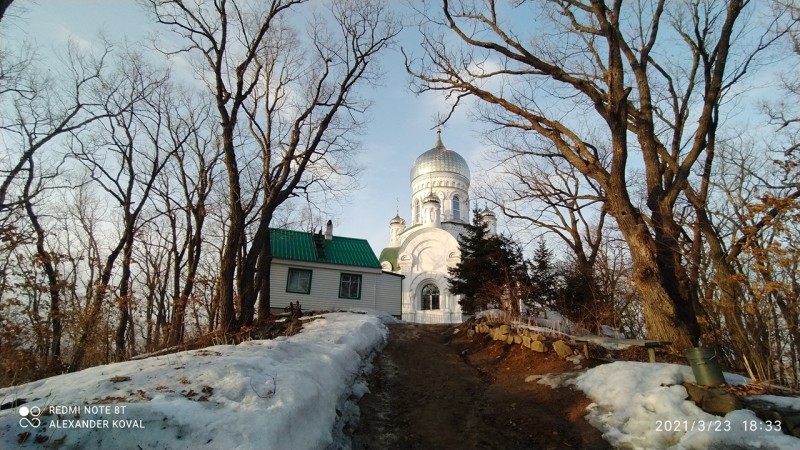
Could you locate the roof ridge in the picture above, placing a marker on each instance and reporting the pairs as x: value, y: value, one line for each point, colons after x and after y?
x: 286, y: 230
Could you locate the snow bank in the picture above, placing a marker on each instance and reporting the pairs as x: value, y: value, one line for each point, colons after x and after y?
x: 282, y: 393
x: 643, y: 405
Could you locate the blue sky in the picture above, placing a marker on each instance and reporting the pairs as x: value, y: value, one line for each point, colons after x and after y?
x: 401, y: 123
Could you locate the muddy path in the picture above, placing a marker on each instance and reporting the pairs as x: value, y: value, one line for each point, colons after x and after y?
x: 433, y: 389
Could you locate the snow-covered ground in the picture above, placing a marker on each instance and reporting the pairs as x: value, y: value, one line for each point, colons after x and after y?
x: 298, y: 393
x: 286, y: 393
x: 643, y: 405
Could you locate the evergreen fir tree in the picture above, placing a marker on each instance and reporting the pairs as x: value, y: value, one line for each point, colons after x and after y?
x: 470, y: 274
x: 575, y: 295
x: 544, y: 278
x: 492, y: 271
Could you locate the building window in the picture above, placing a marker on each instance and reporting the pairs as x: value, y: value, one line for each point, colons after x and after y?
x: 350, y: 286
x: 299, y: 281
x: 456, y: 208
x: 430, y: 297
x: 416, y: 211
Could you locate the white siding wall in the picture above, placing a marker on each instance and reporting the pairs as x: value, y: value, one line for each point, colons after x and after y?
x: 390, y: 294
x: 376, y: 292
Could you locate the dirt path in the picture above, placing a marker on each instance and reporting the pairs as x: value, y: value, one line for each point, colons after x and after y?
x: 434, y: 390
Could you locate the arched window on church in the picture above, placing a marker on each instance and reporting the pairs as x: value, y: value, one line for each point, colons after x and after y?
x: 456, y: 208
x: 416, y: 211
x: 430, y: 297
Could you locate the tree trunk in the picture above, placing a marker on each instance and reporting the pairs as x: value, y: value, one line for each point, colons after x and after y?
x: 88, y: 325
x: 227, y: 272
x: 661, y: 315
x: 264, y: 271
x: 257, y: 272
x: 178, y: 330
x: 121, y: 330
x: 53, y: 287
x: 150, y: 327
x: 124, y: 293
x: 247, y: 287
x: 674, y: 276
x: 95, y: 305
x: 233, y: 242
x: 653, y: 275
x: 160, y: 332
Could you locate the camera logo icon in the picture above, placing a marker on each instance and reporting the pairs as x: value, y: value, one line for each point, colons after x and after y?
x: 34, y: 412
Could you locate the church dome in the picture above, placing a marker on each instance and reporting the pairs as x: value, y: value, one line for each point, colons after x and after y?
x: 486, y: 212
x: 431, y: 199
x: 439, y: 159
x: 398, y: 220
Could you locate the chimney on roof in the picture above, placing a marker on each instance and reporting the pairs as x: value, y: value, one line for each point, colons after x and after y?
x: 329, y: 231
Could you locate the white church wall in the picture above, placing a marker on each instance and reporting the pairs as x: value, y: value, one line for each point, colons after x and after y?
x: 425, y: 257
x: 444, y: 186
x: 429, y: 246
x: 455, y: 229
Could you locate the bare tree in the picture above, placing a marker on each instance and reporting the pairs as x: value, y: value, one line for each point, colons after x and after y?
x: 195, y: 168
x: 124, y: 157
x: 650, y: 75
x: 548, y: 195
x: 43, y: 109
x: 758, y: 220
x: 284, y: 103
x: 39, y: 111
x: 613, y: 275
x: 752, y: 253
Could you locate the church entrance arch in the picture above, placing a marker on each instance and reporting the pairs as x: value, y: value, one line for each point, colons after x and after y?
x: 429, y: 297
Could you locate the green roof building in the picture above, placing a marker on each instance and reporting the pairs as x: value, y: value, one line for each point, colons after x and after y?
x: 327, y: 272
x: 302, y: 246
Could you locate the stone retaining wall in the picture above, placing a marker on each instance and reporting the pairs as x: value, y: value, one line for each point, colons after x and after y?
x: 524, y: 337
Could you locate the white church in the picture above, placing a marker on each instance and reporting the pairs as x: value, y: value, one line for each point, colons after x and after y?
x: 424, y: 251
